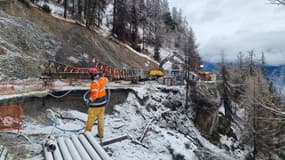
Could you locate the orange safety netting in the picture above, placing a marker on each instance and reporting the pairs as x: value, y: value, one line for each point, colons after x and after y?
x: 11, y: 117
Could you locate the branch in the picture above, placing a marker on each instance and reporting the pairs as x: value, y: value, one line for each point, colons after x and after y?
x: 146, y: 129
x: 271, y: 109
x: 281, y: 120
x: 279, y: 2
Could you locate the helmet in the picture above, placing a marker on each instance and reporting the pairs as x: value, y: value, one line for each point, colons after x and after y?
x: 93, y: 71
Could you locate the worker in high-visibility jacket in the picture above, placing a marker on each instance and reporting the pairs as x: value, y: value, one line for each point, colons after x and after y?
x: 97, y: 101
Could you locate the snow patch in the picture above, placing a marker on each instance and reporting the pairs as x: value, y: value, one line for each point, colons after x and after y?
x: 167, y: 66
x: 140, y: 54
x: 73, y: 59
x: 222, y: 110
x: 107, y: 20
x: 55, y: 8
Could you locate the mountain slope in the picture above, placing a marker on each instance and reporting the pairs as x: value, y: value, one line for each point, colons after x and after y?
x: 29, y: 37
x: 277, y: 75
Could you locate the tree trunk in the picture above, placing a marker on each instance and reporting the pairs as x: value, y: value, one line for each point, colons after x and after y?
x: 79, y: 9
x: 65, y: 8
x: 73, y: 7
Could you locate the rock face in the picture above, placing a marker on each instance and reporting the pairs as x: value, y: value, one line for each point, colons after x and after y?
x: 30, y: 37
x: 206, y: 104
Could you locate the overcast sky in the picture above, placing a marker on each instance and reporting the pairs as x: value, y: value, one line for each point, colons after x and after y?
x: 236, y: 25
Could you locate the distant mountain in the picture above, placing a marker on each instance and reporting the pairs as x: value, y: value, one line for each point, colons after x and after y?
x: 214, y: 67
x: 277, y: 75
x: 274, y: 73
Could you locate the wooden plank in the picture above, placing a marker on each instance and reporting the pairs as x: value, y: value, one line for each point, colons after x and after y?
x: 115, y: 140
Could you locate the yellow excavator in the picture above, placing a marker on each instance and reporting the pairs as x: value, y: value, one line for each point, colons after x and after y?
x: 155, y: 73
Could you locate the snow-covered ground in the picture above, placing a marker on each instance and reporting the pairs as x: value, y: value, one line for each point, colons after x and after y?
x: 146, y: 103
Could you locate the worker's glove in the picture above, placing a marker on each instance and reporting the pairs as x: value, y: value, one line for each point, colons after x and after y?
x: 90, y: 100
x: 87, y: 101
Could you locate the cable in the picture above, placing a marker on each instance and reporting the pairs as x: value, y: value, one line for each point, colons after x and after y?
x: 28, y: 139
x: 61, y: 95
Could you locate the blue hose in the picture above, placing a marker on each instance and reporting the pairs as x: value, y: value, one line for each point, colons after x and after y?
x: 53, y: 121
x: 86, y: 100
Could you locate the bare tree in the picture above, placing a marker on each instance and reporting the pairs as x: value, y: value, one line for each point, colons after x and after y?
x: 226, y: 90
x: 279, y: 2
x: 264, y: 120
x: 191, y: 64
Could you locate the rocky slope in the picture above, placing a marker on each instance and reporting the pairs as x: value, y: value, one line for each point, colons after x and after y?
x: 29, y: 37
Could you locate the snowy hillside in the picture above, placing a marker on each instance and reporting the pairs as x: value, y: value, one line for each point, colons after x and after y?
x: 169, y: 54
x: 29, y: 42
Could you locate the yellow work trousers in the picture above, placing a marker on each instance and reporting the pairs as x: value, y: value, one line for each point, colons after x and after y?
x: 93, y: 113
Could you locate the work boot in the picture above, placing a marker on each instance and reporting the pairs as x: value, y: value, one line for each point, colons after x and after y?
x: 97, y: 135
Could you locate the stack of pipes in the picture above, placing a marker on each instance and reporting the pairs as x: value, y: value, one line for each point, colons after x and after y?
x: 76, y: 147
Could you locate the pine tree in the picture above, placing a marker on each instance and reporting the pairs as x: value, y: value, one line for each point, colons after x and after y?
x: 65, y: 8
x: 191, y: 64
x: 164, y: 7
x: 79, y: 8
x: 226, y: 90
x: 175, y: 14
x: 100, y: 10
x: 142, y: 20
x: 134, y: 23
x: 119, y: 19
x: 157, y: 30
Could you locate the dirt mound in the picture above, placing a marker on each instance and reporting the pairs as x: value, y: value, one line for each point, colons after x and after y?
x: 29, y: 37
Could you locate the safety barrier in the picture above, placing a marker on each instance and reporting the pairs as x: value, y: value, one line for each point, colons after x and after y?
x: 11, y: 117
x: 19, y: 86
x: 23, y: 86
x: 62, y: 71
x: 6, y: 87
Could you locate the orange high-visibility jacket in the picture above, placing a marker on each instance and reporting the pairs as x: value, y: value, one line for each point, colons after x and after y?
x: 97, y: 88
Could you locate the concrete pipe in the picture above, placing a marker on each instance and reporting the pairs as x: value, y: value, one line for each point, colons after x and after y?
x: 65, y: 153
x: 56, y: 154
x: 84, y: 155
x: 92, y: 153
x: 97, y: 146
x: 4, y: 154
x: 48, y: 155
x: 74, y: 153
